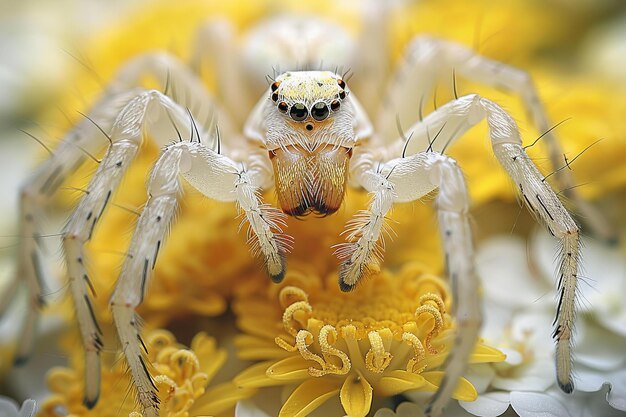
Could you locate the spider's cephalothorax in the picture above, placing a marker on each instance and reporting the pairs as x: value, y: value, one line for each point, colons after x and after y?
x: 306, y: 137
x: 308, y: 143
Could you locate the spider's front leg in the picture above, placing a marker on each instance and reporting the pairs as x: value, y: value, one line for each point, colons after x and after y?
x: 217, y: 177
x: 408, y: 179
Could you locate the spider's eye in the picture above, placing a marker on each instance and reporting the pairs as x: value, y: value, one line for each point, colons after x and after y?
x: 282, y: 106
x: 298, y: 112
x: 319, y: 111
x: 275, y: 96
x: 334, y: 105
x: 275, y: 86
x: 342, y: 94
x: 341, y: 83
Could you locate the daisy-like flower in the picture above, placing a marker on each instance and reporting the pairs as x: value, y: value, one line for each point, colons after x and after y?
x: 8, y: 408
x: 182, y: 376
x: 518, y: 322
x: 314, y: 346
x: 390, y: 337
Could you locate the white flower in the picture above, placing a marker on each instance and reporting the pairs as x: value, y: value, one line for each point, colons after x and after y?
x: 8, y: 408
x: 602, y: 283
x: 405, y: 409
x: 519, y: 308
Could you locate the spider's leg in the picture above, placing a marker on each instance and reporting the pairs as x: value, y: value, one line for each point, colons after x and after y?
x: 179, y: 83
x: 217, y: 38
x: 216, y: 176
x: 370, y: 56
x: 126, y: 137
x: 455, y: 118
x: 83, y: 140
x: 409, y: 179
x: 460, y: 115
x: 428, y: 60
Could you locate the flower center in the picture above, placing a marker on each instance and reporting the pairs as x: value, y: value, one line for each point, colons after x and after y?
x: 391, y: 324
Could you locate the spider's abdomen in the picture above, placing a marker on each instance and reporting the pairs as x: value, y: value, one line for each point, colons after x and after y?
x: 310, y: 181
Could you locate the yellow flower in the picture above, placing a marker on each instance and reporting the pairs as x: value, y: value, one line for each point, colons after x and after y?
x: 181, y: 375
x: 390, y: 336
x: 393, y: 333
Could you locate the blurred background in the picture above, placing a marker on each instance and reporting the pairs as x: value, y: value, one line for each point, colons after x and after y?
x: 45, y: 46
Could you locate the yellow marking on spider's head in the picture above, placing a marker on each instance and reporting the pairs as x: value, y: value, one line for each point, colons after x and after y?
x: 309, y: 87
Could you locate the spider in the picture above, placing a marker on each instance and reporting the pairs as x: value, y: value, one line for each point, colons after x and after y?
x: 309, y: 138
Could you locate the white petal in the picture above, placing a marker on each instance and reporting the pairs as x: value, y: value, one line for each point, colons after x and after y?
x: 491, y: 404
x: 537, y: 375
x: 534, y: 329
x: 601, y: 349
x: 383, y: 412
x: 503, y: 268
x: 584, y: 404
x: 480, y: 375
x: 603, y: 270
x: 409, y: 409
x: 588, y: 380
x: 536, y: 404
x: 513, y: 357
x: 405, y: 409
x: 613, y: 317
x: 28, y: 408
x: 8, y: 407
x: 617, y: 394
x: 247, y: 408
x: 496, y: 321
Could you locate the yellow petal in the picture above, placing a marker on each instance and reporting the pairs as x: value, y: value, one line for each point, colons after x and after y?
x: 308, y: 396
x: 257, y: 348
x: 255, y: 376
x: 219, y: 399
x: 210, y: 305
x: 294, y: 368
x: 356, y: 396
x: 484, y: 354
x: 211, y: 358
x: 464, y: 391
x: 398, y: 381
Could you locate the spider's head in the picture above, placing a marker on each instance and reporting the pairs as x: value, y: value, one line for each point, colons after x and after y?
x: 308, y: 98
x: 312, y: 124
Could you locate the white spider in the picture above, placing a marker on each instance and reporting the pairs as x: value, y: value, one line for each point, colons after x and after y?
x: 309, y: 138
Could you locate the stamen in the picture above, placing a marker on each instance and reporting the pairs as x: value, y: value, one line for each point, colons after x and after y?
x: 184, y: 363
x: 284, y: 345
x: 328, y: 336
x: 429, y: 309
x: 304, y: 339
x: 435, y: 299
x: 419, y: 353
x: 377, y: 358
x: 290, y: 294
x: 289, y: 321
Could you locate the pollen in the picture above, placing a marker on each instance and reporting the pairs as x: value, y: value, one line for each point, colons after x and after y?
x: 182, y: 375
x: 391, y: 335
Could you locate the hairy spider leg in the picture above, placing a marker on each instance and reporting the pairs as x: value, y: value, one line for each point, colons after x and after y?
x: 428, y: 60
x: 410, y: 178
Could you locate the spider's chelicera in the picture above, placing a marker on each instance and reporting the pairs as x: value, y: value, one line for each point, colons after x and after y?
x: 309, y: 138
